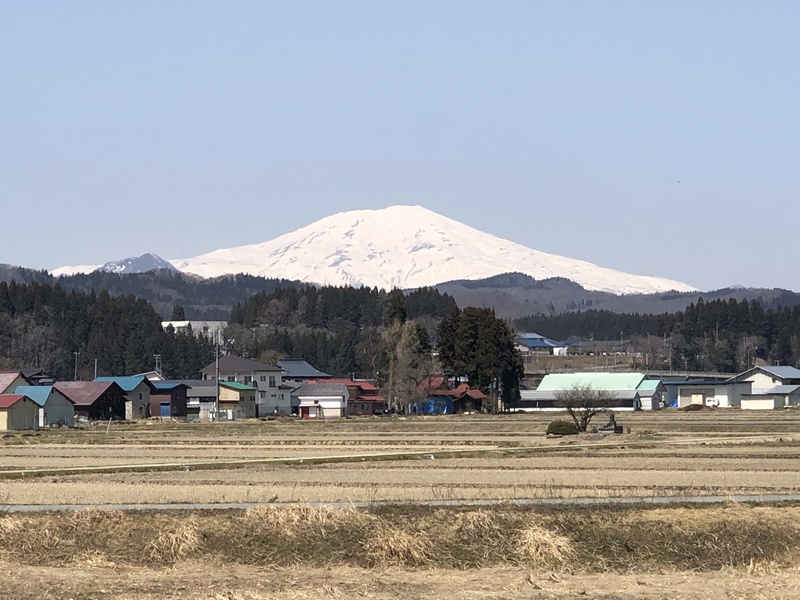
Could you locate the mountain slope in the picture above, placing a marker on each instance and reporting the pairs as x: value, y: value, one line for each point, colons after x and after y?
x: 138, y: 264
x: 406, y: 247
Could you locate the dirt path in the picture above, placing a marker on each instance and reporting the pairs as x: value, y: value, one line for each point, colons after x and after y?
x: 195, y: 581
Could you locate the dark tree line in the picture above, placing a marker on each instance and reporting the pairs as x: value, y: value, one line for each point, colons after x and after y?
x: 339, y: 330
x: 475, y: 344
x: 724, y: 335
x: 44, y: 326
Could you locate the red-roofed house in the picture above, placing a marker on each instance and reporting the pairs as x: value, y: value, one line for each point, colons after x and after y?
x: 444, y: 397
x: 95, y: 400
x: 363, y: 396
x: 9, y: 380
x: 17, y: 411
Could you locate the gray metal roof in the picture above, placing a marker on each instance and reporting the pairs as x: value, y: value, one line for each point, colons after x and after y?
x: 783, y: 389
x: 297, y: 368
x: 238, y: 364
x: 784, y: 372
x: 334, y: 390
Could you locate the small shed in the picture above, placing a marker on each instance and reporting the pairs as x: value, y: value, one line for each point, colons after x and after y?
x: 17, y: 411
x: 237, y: 400
x: 55, y: 409
x: 169, y: 399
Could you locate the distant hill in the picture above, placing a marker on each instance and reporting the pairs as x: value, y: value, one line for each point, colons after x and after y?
x: 515, y: 295
x: 512, y: 295
x: 202, y: 299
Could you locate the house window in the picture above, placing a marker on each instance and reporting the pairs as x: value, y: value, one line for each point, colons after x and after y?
x: 140, y: 395
x: 272, y: 381
x: 262, y: 394
x: 263, y: 378
x: 247, y: 379
x: 273, y: 395
x: 231, y: 377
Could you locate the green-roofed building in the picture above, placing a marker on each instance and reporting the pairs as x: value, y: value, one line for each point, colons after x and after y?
x: 237, y: 400
x: 628, y: 391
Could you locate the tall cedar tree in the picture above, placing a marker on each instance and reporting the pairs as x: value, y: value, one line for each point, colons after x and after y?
x: 475, y: 344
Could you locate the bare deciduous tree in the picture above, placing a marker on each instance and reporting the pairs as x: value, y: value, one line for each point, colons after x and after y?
x: 583, y: 403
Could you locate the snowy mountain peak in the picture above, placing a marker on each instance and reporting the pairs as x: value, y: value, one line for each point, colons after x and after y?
x: 137, y: 264
x: 406, y: 247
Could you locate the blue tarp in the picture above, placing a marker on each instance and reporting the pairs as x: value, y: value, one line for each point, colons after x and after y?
x: 435, y: 405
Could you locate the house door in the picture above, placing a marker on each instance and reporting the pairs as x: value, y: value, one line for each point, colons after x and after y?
x: 165, y: 409
x: 304, y: 412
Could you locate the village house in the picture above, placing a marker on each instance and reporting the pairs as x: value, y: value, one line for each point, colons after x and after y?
x: 54, y: 408
x: 363, y: 397
x: 772, y: 387
x: 94, y: 400
x: 445, y: 397
x: 17, y: 411
x: 273, y: 396
x: 137, y: 389
x: 10, y: 380
x: 296, y: 371
x: 321, y: 400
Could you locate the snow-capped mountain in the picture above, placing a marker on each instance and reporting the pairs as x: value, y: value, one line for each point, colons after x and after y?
x: 135, y: 264
x: 406, y: 247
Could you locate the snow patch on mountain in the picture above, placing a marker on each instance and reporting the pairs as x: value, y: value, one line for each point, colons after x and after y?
x: 406, y: 247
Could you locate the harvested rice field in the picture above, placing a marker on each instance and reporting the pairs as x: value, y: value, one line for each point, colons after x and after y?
x: 486, y: 458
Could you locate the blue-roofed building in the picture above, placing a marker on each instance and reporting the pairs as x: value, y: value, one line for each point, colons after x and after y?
x: 169, y: 399
x: 533, y: 343
x: 137, y: 389
x: 54, y: 408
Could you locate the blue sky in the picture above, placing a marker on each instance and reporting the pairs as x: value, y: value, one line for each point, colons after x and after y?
x: 658, y: 138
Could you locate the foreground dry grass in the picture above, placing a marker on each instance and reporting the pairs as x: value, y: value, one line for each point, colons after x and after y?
x: 731, y: 551
x: 195, y: 580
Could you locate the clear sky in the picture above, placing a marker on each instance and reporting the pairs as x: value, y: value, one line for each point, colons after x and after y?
x: 658, y: 138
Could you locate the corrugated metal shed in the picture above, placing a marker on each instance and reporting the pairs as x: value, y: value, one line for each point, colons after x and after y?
x: 599, y: 381
x: 38, y: 393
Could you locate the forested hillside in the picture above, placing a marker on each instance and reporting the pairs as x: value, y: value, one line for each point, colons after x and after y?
x: 719, y: 335
x: 202, y: 299
x: 338, y: 329
x: 43, y: 326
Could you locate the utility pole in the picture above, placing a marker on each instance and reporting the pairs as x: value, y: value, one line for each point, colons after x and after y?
x: 95, y: 368
x: 77, y: 354
x: 216, y: 376
x: 157, y: 358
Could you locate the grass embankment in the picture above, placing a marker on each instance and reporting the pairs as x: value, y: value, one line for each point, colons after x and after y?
x: 585, y: 539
